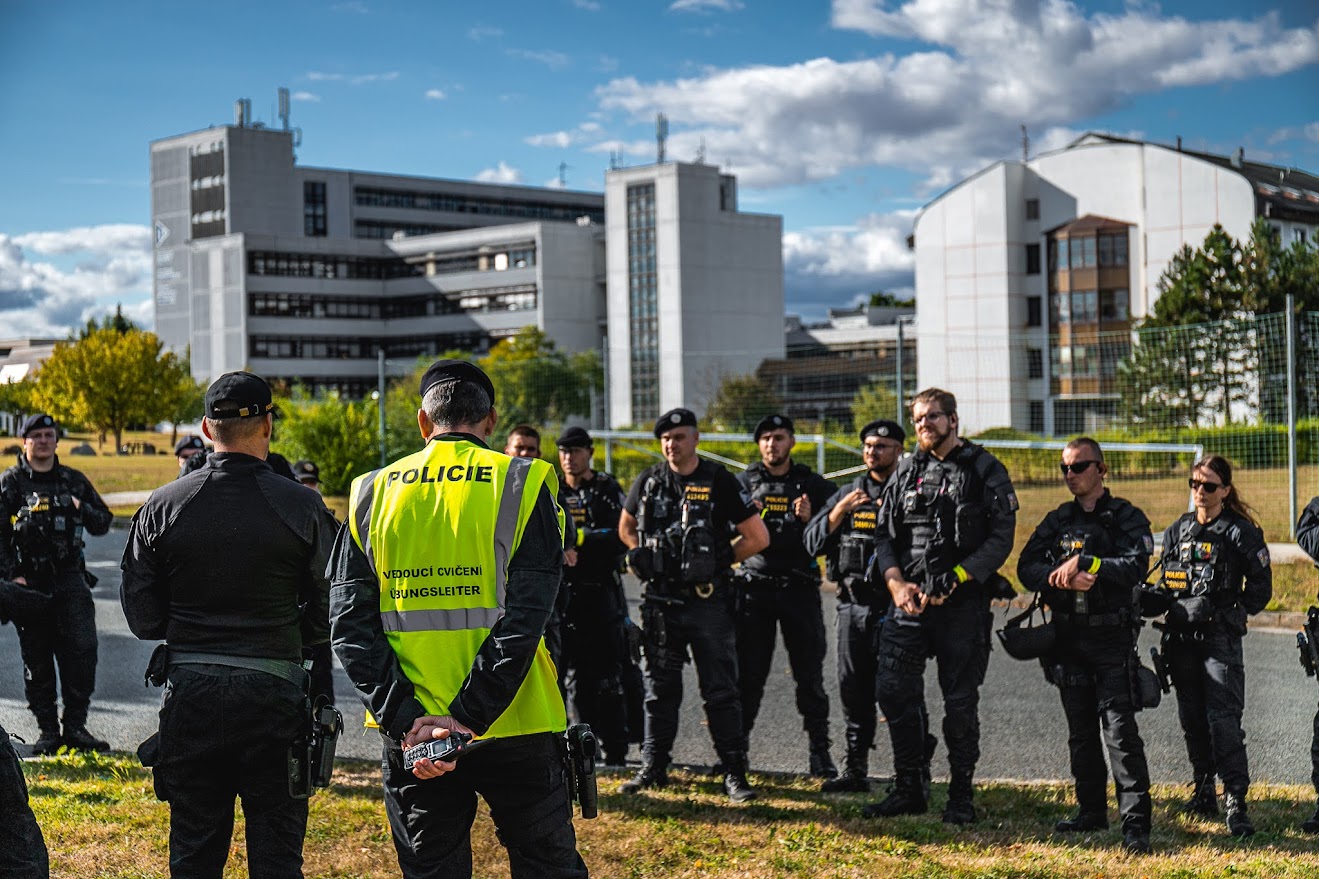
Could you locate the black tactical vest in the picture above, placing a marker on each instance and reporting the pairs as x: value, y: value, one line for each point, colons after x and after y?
x: 776, y: 495
x: 676, y: 520
x: 856, y: 538
x: 595, y: 505
x: 1198, y: 566
x: 1093, y: 535
x: 48, y: 527
x: 941, y: 497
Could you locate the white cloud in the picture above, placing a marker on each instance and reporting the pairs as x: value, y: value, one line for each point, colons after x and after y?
x: 831, y: 266
x: 550, y: 58
x: 705, y: 5
x: 1309, y: 131
x: 435, y: 95
x: 562, y: 139
x: 502, y: 173
x: 484, y: 32
x: 958, y: 103
x: 352, y: 79
x: 92, y: 269
x: 307, y: 96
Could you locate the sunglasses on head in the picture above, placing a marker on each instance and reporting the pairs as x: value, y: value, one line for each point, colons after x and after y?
x: 1209, y: 487
x: 1078, y: 467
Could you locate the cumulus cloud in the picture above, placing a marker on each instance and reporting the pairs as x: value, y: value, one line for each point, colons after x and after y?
x: 834, y: 265
x: 501, y: 173
x: 310, y: 97
x: 85, y: 272
x: 583, y: 133
x: 957, y: 101
x: 1309, y: 132
x: 352, y: 79
x: 435, y: 95
x: 705, y: 5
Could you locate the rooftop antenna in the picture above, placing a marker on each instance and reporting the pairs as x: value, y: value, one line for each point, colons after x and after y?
x: 1025, y: 144
x: 700, y: 153
x: 563, y: 176
x: 661, y: 135
x: 284, y: 108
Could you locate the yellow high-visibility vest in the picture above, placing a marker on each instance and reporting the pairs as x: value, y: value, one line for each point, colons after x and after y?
x: 439, y: 527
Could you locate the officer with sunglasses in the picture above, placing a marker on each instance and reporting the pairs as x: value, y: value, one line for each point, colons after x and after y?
x: 1215, y: 573
x: 1087, y: 558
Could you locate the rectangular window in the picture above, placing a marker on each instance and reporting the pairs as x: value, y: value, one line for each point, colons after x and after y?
x: 1114, y: 305
x: 1062, y: 309
x: 1113, y: 250
x: 1037, y: 416
x: 1085, y: 306
x: 1032, y: 259
x: 1034, y: 317
x: 1298, y: 235
x: 1082, y: 253
x: 313, y: 209
x: 1032, y: 209
x: 1034, y: 363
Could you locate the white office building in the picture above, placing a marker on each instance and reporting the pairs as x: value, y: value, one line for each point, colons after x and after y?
x: 1020, y: 267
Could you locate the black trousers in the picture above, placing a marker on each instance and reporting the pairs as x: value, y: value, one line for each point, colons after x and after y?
x: 1209, y: 674
x: 1092, y: 671
x: 956, y: 636
x: 64, y: 636
x: 594, y: 655
x: 1314, y: 755
x: 703, y: 626
x: 792, y: 604
x: 225, y: 733
x: 22, y: 848
x: 858, y: 628
x: 521, y: 778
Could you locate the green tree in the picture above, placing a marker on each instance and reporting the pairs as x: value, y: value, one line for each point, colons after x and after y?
x: 888, y: 300
x: 108, y: 380
x: 536, y: 383
x: 18, y: 396
x: 878, y: 399
x: 341, y: 437
x: 740, y: 402
x: 117, y: 322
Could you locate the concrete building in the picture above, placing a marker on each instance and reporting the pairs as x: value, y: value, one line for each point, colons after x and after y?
x: 306, y: 274
x: 19, y: 358
x: 1022, y: 267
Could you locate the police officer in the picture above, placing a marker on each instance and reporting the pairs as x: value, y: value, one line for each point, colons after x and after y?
x: 1216, y: 572
x: 185, y: 450
x: 227, y: 565
x: 523, y: 442
x: 443, y: 580
x: 23, y: 852
x: 780, y: 588
x: 595, y: 643
x: 308, y: 474
x: 675, y: 523
x: 950, y: 515
x: 1307, y: 535
x: 45, y: 508
x: 844, y: 532
x: 1088, y: 558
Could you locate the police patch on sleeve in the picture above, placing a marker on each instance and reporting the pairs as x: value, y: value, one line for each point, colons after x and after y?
x: 1012, y: 502
x: 1148, y: 542
x: 1263, y: 556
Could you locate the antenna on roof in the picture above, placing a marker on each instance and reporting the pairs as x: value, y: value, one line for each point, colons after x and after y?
x: 563, y: 178
x: 661, y: 135
x: 284, y: 108
x: 700, y: 153
x: 1025, y: 144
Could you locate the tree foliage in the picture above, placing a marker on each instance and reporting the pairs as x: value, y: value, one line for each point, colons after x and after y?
x: 341, y: 437
x: 888, y: 300
x: 537, y: 384
x: 110, y: 379
x: 740, y: 402
x: 877, y: 399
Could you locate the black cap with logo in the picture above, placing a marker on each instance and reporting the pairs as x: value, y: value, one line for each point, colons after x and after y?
x: 773, y: 422
x: 188, y: 442
x: 306, y: 471
x: 674, y: 418
x: 37, y: 422
x: 238, y: 395
x: 574, y: 438
x: 885, y: 428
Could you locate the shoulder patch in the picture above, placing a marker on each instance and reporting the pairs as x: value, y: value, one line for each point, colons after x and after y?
x: 1263, y: 556
x: 744, y: 495
x: 1148, y: 542
x: 1013, y: 505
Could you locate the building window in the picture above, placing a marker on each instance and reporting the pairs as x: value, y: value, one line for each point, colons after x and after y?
x: 1298, y: 235
x: 313, y: 209
x: 1114, y: 305
x: 1085, y: 307
x: 643, y: 301
x: 1082, y: 253
x: 1034, y: 315
x: 1034, y: 363
x: 446, y: 202
x: 1062, y: 309
x: 1032, y: 209
x: 1032, y: 259
x: 1113, y: 250
x: 1037, y: 416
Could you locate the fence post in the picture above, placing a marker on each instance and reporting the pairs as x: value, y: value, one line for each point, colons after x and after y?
x: 819, y: 453
x: 1291, y: 415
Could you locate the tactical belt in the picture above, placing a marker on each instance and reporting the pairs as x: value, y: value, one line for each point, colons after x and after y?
x: 782, y: 578
x: 281, y: 668
x: 1092, y: 620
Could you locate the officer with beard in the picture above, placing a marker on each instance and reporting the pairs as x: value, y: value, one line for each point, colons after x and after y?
x: 844, y: 532
x: 950, y: 515
x: 1088, y: 558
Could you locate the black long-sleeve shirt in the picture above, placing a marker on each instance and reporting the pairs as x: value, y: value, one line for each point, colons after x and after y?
x: 20, y: 481
x: 1307, y: 529
x: 505, y: 657
x: 1248, y: 576
x: 230, y: 559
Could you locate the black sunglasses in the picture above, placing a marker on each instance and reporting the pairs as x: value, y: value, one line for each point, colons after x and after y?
x: 1209, y: 487
x: 1078, y: 467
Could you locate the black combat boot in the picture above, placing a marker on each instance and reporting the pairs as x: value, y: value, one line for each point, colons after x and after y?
x: 651, y: 775
x: 1204, y: 798
x: 1084, y: 820
x: 48, y: 742
x: 960, y: 809
x: 821, y: 761
x: 930, y: 744
x: 79, y: 738
x: 905, y: 798
x: 1311, y: 824
x: 737, y: 787
x: 854, y: 778
x: 1136, y: 841
x: 1238, y: 822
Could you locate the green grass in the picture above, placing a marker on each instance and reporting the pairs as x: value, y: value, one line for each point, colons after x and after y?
x: 101, y: 819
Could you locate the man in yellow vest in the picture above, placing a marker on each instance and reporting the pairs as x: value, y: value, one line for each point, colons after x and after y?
x: 442, y: 580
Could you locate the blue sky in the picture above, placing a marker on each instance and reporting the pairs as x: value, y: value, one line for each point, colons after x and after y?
x: 842, y: 116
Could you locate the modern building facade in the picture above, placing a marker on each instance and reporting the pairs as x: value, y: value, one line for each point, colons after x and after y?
x: 306, y: 274
x: 1022, y: 268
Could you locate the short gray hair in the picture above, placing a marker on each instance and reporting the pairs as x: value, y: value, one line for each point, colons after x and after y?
x: 456, y: 404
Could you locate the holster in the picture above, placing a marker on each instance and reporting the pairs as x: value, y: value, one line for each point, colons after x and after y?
x: 580, y: 750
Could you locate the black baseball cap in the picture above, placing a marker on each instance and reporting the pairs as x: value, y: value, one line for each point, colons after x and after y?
x: 306, y: 471
x: 238, y: 395
x: 574, y: 438
x: 885, y: 428
x: 188, y: 442
x: 37, y: 422
x: 773, y: 422
x: 442, y: 371
x: 674, y: 418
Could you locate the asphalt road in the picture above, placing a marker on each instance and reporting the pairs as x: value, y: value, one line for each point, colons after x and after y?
x: 1023, y: 735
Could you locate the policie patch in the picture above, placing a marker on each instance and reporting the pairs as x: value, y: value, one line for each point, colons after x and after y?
x: 1263, y: 556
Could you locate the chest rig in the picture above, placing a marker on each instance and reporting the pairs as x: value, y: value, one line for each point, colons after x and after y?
x: 1082, y: 535
x: 48, y: 528
x: 1197, y: 566
x: 776, y: 495
x: 676, y: 521
x: 592, y: 506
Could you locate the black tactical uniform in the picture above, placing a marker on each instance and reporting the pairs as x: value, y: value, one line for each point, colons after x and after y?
x: 41, y: 540
x: 780, y: 587
x: 22, y: 848
x: 861, y: 606
x: 938, y: 516
x: 228, y: 565
x: 1307, y: 535
x: 1215, y: 576
x: 683, y: 524
x: 1094, y: 665
x: 595, y: 649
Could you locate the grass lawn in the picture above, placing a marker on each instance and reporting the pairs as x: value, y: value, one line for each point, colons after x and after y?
x: 101, y: 819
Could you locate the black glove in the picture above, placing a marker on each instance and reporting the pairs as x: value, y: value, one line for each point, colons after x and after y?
x: 20, y: 603
x: 1154, y: 604
x: 642, y: 562
x: 940, y: 585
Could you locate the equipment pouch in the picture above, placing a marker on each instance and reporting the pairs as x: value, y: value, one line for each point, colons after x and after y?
x: 699, y: 555
x: 149, y: 751
x: 852, y: 552
x: 970, y: 526
x: 1146, y: 691
x: 299, y: 770
x: 642, y: 561
x: 327, y: 725
x: 157, y: 667
x: 1191, y: 611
